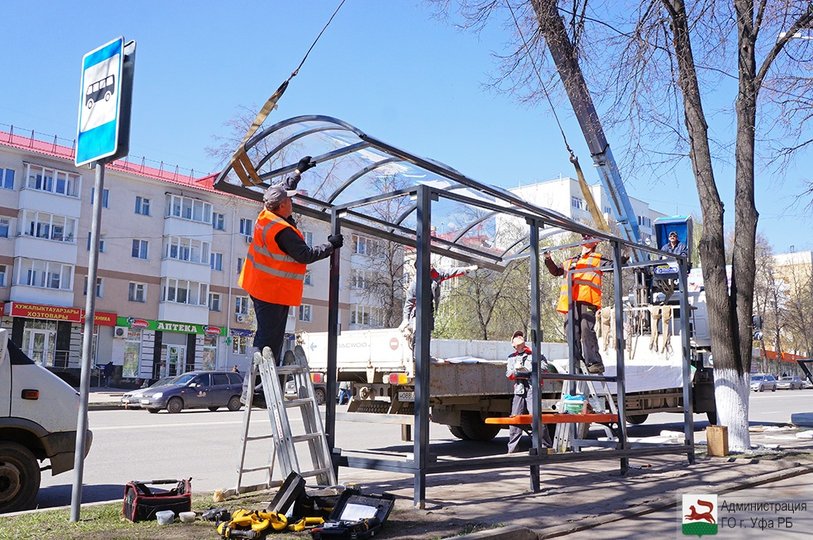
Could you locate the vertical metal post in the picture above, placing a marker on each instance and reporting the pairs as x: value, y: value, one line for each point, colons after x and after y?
x: 572, y: 364
x: 87, y: 342
x: 536, y: 388
x: 620, y: 387
x: 688, y: 404
x: 332, y: 335
x: 423, y: 330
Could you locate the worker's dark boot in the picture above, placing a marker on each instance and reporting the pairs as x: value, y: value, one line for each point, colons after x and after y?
x: 596, y: 369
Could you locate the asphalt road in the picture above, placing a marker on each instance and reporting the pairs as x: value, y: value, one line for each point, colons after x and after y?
x: 135, y: 445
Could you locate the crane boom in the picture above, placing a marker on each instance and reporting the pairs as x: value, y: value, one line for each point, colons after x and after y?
x: 564, y: 56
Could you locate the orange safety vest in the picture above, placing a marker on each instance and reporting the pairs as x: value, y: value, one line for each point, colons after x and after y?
x: 269, y: 273
x: 586, y: 285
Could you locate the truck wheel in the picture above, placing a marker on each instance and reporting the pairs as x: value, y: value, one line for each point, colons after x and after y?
x: 457, y: 431
x: 175, y: 405
x: 636, y: 419
x: 234, y: 403
x: 475, y: 429
x: 19, y: 477
x: 319, y: 394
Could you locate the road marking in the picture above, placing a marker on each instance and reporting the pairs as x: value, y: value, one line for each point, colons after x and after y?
x: 150, y: 426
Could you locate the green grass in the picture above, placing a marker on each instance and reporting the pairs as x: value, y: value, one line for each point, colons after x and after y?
x: 106, y: 522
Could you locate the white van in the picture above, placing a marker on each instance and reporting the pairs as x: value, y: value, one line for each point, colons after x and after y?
x: 38, y: 414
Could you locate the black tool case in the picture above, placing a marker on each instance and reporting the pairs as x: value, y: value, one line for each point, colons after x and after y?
x: 142, y: 502
x: 356, y: 516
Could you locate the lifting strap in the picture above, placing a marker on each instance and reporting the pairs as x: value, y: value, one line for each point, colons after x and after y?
x: 240, y: 162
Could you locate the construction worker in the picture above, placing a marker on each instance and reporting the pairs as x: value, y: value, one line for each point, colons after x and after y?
x: 275, y: 266
x: 586, y: 290
x: 518, y: 369
x: 411, y: 305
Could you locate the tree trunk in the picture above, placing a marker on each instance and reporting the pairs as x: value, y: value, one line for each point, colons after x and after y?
x: 729, y: 376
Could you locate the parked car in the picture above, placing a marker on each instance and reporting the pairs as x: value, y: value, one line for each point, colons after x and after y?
x: 196, y: 390
x: 789, y: 383
x: 133, y: 398
x: 760, y: 383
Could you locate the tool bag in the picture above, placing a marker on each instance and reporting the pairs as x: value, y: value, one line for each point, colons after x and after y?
x: 142, y: 502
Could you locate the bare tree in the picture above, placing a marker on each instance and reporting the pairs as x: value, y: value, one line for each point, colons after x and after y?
x: 657, y: 63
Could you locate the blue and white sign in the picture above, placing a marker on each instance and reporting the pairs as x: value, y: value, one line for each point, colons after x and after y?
x: 99, y: 103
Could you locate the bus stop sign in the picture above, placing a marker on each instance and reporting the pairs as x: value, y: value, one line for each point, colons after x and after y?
x: 104, y: 103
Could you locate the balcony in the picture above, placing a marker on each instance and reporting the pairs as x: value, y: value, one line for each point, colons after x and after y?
x: 53, y: 203
x: 32, y: 247
x: 192, y: 271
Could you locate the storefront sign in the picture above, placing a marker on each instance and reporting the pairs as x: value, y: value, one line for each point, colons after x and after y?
x: 57, y: 313
x: 170, y: 326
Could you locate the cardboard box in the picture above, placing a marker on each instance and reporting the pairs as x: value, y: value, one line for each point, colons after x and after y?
x: 717, y: 440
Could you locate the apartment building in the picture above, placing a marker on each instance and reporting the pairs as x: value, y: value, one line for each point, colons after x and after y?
x: 171, y: 248
x: 564, y: 195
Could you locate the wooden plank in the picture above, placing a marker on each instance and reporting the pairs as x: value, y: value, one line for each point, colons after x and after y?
x: 525, y: 419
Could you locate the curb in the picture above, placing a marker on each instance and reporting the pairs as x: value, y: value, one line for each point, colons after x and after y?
x: 105, y: 407
x: 512, y: 532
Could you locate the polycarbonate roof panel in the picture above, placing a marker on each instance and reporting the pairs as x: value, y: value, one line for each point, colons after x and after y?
x: 374, y: 185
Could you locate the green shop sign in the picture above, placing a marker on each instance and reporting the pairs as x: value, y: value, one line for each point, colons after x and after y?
x: 171, y: 326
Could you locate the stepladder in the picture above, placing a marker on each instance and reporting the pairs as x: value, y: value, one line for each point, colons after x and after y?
x: 573, y: 435
x: 290, y: 433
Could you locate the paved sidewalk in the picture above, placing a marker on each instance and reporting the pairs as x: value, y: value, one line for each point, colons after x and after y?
x: 102, y: 398
x: 592, y: 499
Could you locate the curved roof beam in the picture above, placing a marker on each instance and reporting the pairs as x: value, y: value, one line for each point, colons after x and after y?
x: 358, y: 175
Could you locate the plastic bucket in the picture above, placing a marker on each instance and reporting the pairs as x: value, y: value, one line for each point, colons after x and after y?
x: 165, y: 517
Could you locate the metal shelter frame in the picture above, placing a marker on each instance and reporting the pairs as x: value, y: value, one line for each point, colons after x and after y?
x: 350, y: 157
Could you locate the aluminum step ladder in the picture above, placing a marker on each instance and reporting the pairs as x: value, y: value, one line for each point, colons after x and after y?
x: 573, y: 435
x: 283, y: 440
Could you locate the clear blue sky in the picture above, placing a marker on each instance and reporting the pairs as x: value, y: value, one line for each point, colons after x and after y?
x: 387, y: 67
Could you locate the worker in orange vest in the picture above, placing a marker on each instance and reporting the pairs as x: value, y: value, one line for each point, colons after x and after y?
x: 586, y: 291
x: 274, y: 272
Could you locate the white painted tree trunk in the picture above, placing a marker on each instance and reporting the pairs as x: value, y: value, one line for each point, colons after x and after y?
x: 731, y: 392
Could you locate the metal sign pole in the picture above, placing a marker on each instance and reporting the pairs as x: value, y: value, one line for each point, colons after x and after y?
x: 87, y: 342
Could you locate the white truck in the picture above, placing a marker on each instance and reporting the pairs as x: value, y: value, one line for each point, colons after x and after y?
x: 467, y: 377
x: 38, y: 415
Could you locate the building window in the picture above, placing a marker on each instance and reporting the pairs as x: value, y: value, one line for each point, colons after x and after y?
x: 142, y: 206
x: 3, y: 271
x: 308, y: 238
x: 644, y: 221
x: 101, y: 243
x: 7, y: 178
x: 239, y: 344
x: 366, y: 315
x: 182, y: 291
x: 218, y: 221
x: 140, y: 249
x: 5, y: 225
x: 307, y: 280
x: 52, y: 180
x: 99, y: 287
x: 239, y: 264
x: 47, y: 226
x: 43, y: 274
x: 577, y: 203
x: 188, y: 208
x: 186, y: 249
x: 105, y: 196
x: 363, y: 245
x: 305, y: 312
x: 246, y: 227
x: 216, y: 261
x: 241, y: 305
x: 137, y: 292
x: 359, y: 280
x: 214, y: 301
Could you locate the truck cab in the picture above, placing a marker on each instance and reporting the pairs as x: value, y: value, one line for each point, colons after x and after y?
x: 38, y: 415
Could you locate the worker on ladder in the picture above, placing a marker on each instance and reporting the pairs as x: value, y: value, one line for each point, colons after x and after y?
x: 274, y: 272
x: 586, y: 292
